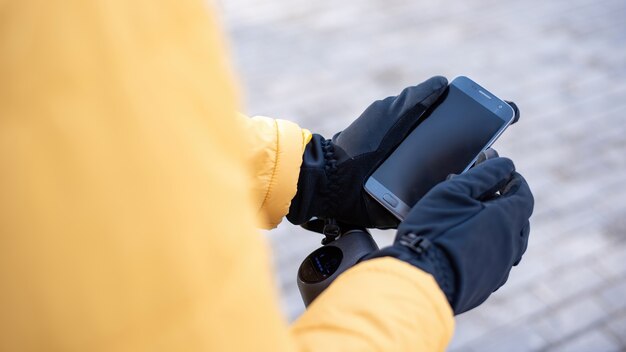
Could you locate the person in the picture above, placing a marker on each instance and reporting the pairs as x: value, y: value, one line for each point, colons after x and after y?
x: 132, y: 193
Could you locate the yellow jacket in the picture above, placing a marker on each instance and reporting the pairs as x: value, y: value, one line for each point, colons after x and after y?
x: 129, y: 197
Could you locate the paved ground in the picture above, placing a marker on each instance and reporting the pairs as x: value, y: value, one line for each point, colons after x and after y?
x: 322, y: 62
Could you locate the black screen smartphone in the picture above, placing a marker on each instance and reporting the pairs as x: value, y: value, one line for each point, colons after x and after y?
x: 466, y: 120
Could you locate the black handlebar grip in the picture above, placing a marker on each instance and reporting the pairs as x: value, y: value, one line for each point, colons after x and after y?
x: 322, y: 267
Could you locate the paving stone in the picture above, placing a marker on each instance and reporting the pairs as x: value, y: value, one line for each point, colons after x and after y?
x: 511, y: 338
x: 614, y: 297
x: 470, y: 326
x: 575, y: 248
x: 597, y: 341
x: 573, y: 318
x: 617, y: 326
x: 502, y: 310
x: 560, y: 285
x: 551, y: 262
x: 613, y: 262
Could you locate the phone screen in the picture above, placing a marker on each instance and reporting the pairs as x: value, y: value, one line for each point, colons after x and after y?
x: 444, y: 143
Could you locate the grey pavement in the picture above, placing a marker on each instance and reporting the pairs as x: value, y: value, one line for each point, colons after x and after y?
x: 320, y: 63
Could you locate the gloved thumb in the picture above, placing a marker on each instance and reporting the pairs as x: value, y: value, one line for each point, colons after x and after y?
x: 483, y: 180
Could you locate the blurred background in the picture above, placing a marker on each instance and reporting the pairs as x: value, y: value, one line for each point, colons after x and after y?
x: 321, y: 63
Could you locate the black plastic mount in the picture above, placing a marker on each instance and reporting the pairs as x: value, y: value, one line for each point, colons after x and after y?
x: 342, y: 248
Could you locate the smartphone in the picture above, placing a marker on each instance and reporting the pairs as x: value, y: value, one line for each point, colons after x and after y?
x: 465, y: 121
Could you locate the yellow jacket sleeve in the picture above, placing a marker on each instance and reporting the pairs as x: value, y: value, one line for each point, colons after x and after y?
x: 276, y: 148
x: 127, y: 220
x: 379, y: 305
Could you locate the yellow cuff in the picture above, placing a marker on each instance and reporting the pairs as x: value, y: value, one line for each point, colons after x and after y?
x: 290, y: 143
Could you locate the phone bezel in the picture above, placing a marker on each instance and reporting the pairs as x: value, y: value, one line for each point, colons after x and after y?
x: 479, y: 94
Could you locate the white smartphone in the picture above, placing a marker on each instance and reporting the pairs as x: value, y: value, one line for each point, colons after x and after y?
x: 465, y: 121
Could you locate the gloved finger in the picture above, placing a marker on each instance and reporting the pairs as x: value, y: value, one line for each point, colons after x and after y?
x: 485, y: 155
x: 516, y: 201
x: 523, y: 242
x: 385, y: 123
x: 515, y: 109
x: 423, y: 95
x: 483, y: 180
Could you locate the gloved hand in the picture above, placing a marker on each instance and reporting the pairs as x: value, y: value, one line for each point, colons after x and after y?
x: 333, y: 172
x: 467, y: 235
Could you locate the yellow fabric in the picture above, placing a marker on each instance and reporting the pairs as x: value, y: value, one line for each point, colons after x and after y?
x: 129, y: 201
x: 379, y: 305
x: 276, y: 148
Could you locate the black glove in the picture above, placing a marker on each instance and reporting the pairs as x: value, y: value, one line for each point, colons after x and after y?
x: 333, y: 172
x: 466, y: 234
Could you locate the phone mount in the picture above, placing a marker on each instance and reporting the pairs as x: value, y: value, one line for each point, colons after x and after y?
x: 515, y: 109
x: 343, y: 247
